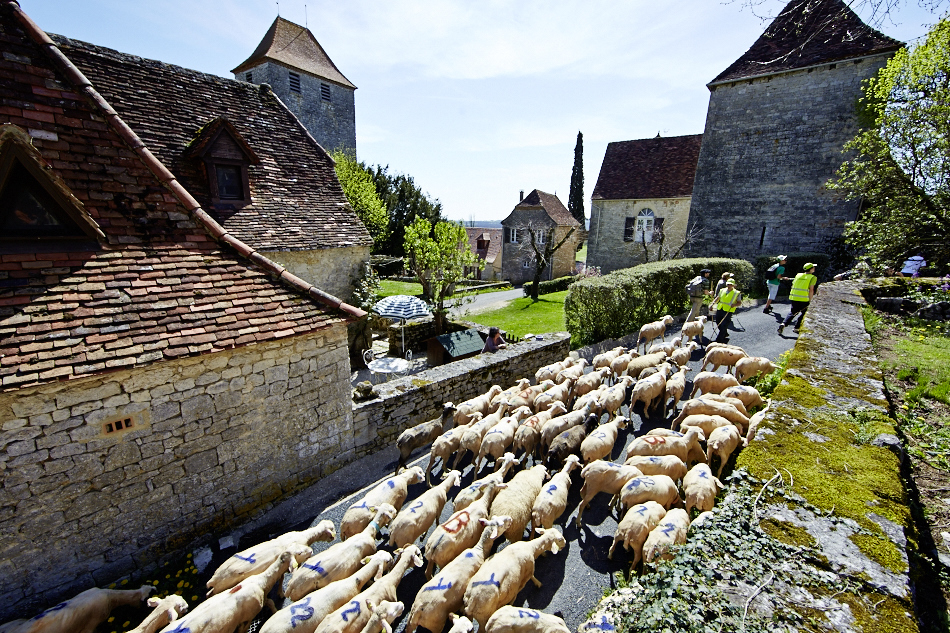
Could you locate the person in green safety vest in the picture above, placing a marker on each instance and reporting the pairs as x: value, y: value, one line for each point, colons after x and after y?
x: 803, y: 290
x: 727, y: 301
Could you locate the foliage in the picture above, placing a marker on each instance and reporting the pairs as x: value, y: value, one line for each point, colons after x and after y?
x: 551, y: 285
x: 767, y: 384
x: 901, y: 170
x: 360, y: 192
x: 440, y: 257
x: 404, y: 202
x: 541, y: 243
x: 575, y: 197
x: 526, y: 316
x: 179, y: 576
x: 619, y: 303
x: 367, y: 290
x: 929, y: 357
x: 793, y: 266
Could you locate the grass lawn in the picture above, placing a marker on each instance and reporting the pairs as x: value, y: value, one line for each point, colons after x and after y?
x: 523, y: 316
x: 389, y: 288
x: 581, y: 254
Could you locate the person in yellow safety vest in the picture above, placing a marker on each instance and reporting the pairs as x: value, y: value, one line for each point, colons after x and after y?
x: 803, y: 290
x: 727, y: 301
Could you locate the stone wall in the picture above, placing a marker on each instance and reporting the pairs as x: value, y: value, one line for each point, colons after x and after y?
x: 606, y: 247
x: 215, y: 440
x: 770, y: 145
x: 513, y: 257
x: 333, y: 270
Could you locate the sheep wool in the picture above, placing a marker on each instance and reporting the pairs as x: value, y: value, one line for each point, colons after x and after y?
x: 518, y: 498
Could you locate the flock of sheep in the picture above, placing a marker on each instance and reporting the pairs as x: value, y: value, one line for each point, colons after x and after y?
x: 554, y: 423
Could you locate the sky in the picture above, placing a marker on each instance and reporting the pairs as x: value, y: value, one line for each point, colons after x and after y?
x: 476, y: 100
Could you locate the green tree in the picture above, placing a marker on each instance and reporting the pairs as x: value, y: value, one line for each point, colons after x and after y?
x: 440, y: 257
x: 360, y: 192
x: 541, y: 242
x: 575, y: 197
x: 405, y: 202
x: 901, y: 168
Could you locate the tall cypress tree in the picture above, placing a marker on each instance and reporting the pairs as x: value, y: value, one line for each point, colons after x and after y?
x: 575, y: 198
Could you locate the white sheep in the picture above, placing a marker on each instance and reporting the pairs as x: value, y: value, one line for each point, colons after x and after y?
x: 651, y: 391
x: 669, y: 465
x: 558, y: 424
x: 754, y: 423
x: 422, y: 434
x: 164, y: 611
x: 667, y: 348
x: 510, y: 619
x: 659, y: 488
x: 694, y: 329
x: 591, y: 401
x: 654, y: 330
x: 705, y: 422
x: 392, y: 491
x: 753, y: 366
x: 305, y: 614
x: 442, y: 595
x: 81, y: 613
x: 711, y: 382
x: 382, y: 616
x: 561, y: 392
x: 748, y: 395
x: 722, y: 443
x: 517, y: 499
x: 444, y: 446
x: 548, y: 372
x: 665, y: 445
x: 474, y: 490
x: 552, y: 501
x: 635, y: 526
x: 525, y: 397
x: 718, y: 397
x: 614, y: 397
x: 619, y: 364
x: 710, y: 407
x: 700, y: 488
x: 501, y: 577
x: 528, y: 434
x: 464, y: 413
x: 604, y: 359
x: 573, y: 372
x: 339, y: 560
x: 256, y: 559
x: 682, y: 356
x: 600, y: 443
x: 461, y: 624
x: 461, y: 531
x: 636, y: 366
x: 671, y: 531
x: 415, y: 519
x: 675, y: 386
x: 496, y: 442
x: 602, y: 476
x: 591, y: 382
x: 472, y: 436
x: 722, y: 357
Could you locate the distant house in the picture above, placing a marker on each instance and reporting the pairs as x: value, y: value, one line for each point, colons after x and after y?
x: 486, y: 244
x: 550, y: 220
x: 640, y: 203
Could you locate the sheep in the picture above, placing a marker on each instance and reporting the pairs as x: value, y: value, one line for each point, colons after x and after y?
x: 574, y: 372
x: 256, y: 559
x: 604, y: 359
x: 444, y: 446
x: 748, y: 395
x: 382, y: 616
x: 694, y: 329
x: 509, y: 619
x: 659, y: 488
x: 472, y: 436
x: 551, y: 503
x: 619, y: 364
x: 569, y: 442
x: 666, y: 348
x: 753, y: 366
x: 754, y: 423
x: 717, y: 344
x: 666, y: 367
x: 705, y: 422
x: 498, y: 581
x: 461, y: 531
x: 528, y: 434
x: 478, y: 404
x: 441, y: 596
x: 660, y: 445
x: 682, y: 356
x: 722, y: 356
x: 461, y: 624
x: 669, y: 465
x: 305, y: 614
x: 473, y: 491
x: 525, y: 397
x: 671, y: 530
x: 652, y: 392
x: 700, y: 488
x: 615, y: 396
x: 602, y: 476
x: 600, y: 443
x: 81, y: 613
x: 592, y: 400
x: 234, y: 609
x: 507, y: 394
x: 710, y: 407
x: 415, y: 519
x: 339, y: 560
x: 353, y: 616
x: 557, y: 425
x: 164, y: 611
x: 636, y: 366
x: 711, y: 382
x: 736, y: 402
x: 496, y: 442
x: 559, y: 393
x: 590, y: 382
x: 654, y: 330
x: 675, y: 386
x: 422, y: 434
x: 548, y: 372
x: 634, y: 527
x: 392, y: 491
x: 517, y: 500
x: 721, y: 443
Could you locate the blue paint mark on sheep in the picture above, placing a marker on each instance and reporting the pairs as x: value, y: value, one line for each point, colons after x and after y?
x: 391, y: 483
x: 247, y: 559
x: 418, y: 505
x: 640, y: 509
x: 355, y: 610
x: 469, y: 555
x: 604, y: 625
x: 316, y: 567
x: 59, y: 607
x: 534, y: 615
x: 550, y: 490
x: 491, y: 581
x: 703, y: 473
x: 440, y: 586
x: 300, y: 612
x: 668, y: 528
x: 181, y: 628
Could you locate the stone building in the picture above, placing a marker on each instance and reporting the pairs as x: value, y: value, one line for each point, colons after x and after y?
x: 486, y: 244
x: 640, y: 204
x: 551, y: 221
x: 778, y: 119
x: 160, y: 378
x: 299, y: 71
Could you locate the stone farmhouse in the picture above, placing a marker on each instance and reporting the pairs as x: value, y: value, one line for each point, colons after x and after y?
x: 640, y: 203
x: 291, y: 61
x: 486, y: 244
x: 551, y: 221
x: 162, y: 377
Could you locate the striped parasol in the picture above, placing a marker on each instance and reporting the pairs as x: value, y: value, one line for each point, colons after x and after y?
x: 402, y: 307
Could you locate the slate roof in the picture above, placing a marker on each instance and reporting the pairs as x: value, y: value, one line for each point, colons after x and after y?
x: 541, y: 205
x: 807, y: 33
x: 648, y: 168
x: 297, y: 201
x: 295, y: 46
x: 164, y: 282
x: 494, y: 237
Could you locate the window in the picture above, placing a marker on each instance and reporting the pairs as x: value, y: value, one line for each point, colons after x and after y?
x: 542, y: 236
x: 325, y: 92
x: 645, y: 221
x: 248, y: 77
x: 629, y: 228
x: 294, y: 82
x: 229, y: 182
x: 226, y: 156
x: 481, y: 244
x: 527, y: 262
x: 513, y: 237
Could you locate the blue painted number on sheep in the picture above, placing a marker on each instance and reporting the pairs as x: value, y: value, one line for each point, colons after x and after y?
x: 247, y: 559
x: 550, y: 490
x: 534, y: 615
x: 668, y: 528
x: 300, y: 612
x: 491, y: 581
x: 440, y: 586
x: 418, y: 505
x: 355, y: 610
x: 316, y: 567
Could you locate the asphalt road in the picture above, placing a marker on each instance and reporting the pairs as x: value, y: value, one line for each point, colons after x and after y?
x: 573, y: 580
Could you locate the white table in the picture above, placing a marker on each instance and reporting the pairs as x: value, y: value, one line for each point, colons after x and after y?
x: 389, y: 365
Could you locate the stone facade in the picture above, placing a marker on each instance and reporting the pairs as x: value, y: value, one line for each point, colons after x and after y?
x: 608, y: 247
x: 215, y: 440
x: 514, y: 256
x: 334, y: 270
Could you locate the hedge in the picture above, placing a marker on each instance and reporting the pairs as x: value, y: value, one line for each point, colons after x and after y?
x: 553, y: 285
x: 618, y: 303
x: 793, y: 266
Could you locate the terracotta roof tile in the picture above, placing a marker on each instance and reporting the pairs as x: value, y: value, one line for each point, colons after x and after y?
x: 494, y: 238
x: 648, y: 168
x: 543, y: 206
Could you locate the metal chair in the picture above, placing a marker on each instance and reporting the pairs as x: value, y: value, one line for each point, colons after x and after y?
x: 409, y: 366
x: 369, y: 357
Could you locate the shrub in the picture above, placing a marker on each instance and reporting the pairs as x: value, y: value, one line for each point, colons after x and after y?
x: 793, y: 266
x: 619, y: 303
x: 547, y: 287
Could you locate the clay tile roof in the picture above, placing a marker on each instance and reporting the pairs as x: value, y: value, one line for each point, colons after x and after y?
x: 543, y: 204
x: 807, y: 33
x: 649, y: 168
x: 295, y: 46
x: 296, y: 200
x: 492, y: 236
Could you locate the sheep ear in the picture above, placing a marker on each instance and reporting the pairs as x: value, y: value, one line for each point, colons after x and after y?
x: 554, y: 548
x: 294, y: 564
x: 417, y: 560
x: 153, y: 602
x: 172, y: 614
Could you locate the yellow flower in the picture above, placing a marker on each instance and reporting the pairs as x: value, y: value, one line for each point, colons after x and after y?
x: 111, y: 618
x: 180, y: 583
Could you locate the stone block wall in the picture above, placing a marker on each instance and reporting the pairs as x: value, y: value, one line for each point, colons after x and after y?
x: 770, y: 145
x: 513, y: 257
x: 334, y: 270
x: 215, y: 440
x: 606, y: 247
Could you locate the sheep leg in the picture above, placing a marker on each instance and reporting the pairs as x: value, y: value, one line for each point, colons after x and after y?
x: 537, y: 583
x: 429, y: 469
x: 610, y: 552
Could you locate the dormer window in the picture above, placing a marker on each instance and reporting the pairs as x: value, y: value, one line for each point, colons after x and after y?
x: 226, y: 156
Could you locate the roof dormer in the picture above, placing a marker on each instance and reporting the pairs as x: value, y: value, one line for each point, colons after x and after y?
x: 226, y: 156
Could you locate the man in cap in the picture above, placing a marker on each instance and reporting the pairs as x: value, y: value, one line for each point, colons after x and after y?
x: 696, y: 289
x: 727, y: 301
x: 803, y: 290
x: 773, y: 280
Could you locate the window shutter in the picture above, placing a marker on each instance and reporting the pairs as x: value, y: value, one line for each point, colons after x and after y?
x: 629, y: 227
x: 657, y: 230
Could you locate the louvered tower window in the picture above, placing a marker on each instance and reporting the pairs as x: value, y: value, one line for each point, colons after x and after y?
x: 294, y: 82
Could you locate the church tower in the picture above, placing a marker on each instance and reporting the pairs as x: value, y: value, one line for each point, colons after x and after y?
x: 299, y: 71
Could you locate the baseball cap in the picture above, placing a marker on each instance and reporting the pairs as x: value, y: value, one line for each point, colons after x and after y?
x: 730, y: 282
x: 705, y: 270
x: 782, y: 258
x: 810, y: 265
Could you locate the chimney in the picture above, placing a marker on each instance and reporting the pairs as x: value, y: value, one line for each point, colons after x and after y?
x: 521, y: 196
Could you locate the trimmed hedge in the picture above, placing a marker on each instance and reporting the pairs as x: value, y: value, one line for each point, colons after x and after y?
x: 553, y: 285
x: 793, y: 266
x: 619, y: 303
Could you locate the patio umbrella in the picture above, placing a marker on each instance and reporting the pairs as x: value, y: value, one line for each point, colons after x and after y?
x: 402, y: 307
